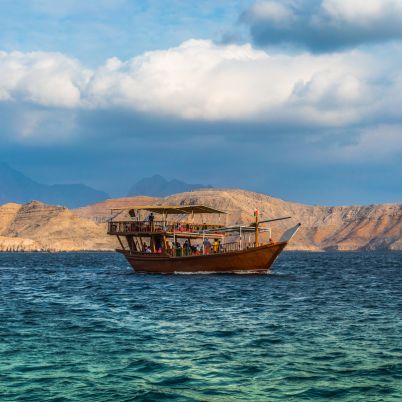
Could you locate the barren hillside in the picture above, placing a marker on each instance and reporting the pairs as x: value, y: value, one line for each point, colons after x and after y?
x: 36, y: 226
x: 372, y: 227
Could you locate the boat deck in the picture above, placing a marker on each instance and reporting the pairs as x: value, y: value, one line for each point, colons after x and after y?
x: 124, y: 228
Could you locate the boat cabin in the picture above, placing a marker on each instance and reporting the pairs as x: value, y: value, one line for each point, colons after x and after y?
x: 180, y: 230
x: 164, y: 229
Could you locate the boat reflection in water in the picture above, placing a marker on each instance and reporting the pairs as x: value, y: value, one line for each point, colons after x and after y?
x: 172, y: 244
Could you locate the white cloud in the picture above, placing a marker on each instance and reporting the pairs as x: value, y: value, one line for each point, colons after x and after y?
x: 49, y: 79
x: 197, y: 80
x: 200, y: 80
x: 362, y: 12
x: 272, y: 11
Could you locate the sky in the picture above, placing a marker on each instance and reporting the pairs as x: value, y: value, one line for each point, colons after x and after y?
x: 298, y: 99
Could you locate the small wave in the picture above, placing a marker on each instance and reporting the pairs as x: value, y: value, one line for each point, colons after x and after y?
x: 88, y: 328
x: 222, y: 273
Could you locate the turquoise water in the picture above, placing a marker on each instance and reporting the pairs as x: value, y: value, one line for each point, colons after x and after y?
x: 83, y: 327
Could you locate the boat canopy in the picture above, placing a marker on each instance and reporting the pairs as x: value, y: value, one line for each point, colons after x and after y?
x: 237, y: 229
x: 248, y: 228
x: 173, y: 209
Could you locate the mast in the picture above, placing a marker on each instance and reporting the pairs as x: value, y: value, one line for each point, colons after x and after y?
x: 256, y: 227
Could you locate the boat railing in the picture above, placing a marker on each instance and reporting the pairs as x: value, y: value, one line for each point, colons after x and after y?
x: 188, y: 251
x: 236, y: 246
x: 133, y: 227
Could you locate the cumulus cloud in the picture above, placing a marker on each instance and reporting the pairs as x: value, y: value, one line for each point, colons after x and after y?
x: 200, y: 80
x: 49, y: 79
x: 324, y: 25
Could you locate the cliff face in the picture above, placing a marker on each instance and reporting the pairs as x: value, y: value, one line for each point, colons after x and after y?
x: 40, y: 227
x: 36, y: 226
x: 373, y: 227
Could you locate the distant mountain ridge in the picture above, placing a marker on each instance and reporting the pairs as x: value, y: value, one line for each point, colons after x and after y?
x: 158, y: 186
x: 36, y: 226
x: 16, y: 187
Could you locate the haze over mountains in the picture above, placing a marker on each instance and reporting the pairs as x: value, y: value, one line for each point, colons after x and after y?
x: 158, y: 186
x: 19, y: 188
x: 16, y: 187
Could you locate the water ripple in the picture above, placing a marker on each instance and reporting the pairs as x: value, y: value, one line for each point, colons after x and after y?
x: 84, y: 327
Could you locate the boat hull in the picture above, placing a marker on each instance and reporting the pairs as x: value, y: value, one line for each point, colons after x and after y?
x: 257, y: 260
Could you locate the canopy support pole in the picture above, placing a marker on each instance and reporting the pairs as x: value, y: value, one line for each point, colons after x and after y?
x: 256, y: 227
x: 174, y: 241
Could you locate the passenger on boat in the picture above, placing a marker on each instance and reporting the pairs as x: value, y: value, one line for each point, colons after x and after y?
x: 151, y: 221
x: 170, y: 249
x: 144, y: 246
x: 148, y: 249
x: 216, y: 246
x: 178, y: 249
x: 187, y: 247
x: 207, y: 246
x: 158, y: 244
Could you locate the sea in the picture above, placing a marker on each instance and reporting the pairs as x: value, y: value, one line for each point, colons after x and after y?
x: 85, y: 327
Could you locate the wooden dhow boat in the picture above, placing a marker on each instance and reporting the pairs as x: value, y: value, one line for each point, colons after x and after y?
x: 172, y: 244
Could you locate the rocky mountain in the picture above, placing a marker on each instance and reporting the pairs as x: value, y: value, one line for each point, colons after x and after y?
x: 374, y: 227
x: 346, y: 228
x: 101, y: 211
x: 158, y: 186
x: 16, y: 187
x: 39, y: 227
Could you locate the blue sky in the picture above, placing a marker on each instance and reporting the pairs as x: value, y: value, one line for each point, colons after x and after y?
x: 296, y: 99
x: 95, y: 30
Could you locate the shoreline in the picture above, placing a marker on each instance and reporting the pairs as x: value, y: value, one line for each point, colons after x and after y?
x: 115, y: 252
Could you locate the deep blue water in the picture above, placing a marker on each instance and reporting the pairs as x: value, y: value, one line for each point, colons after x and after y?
x: 83, y: 327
